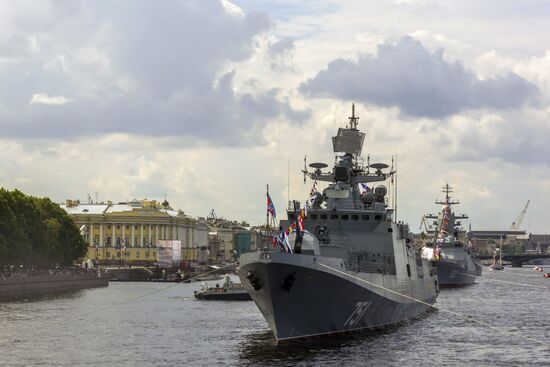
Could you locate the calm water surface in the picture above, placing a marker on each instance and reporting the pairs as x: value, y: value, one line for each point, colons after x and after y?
x: 114, y: 326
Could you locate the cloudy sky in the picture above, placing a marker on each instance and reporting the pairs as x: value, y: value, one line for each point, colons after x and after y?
x: 208, y: 101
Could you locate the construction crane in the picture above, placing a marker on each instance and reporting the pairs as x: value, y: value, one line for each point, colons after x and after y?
x: 515, y: 224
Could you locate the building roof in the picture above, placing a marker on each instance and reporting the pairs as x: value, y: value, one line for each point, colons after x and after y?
x: 85, y: 208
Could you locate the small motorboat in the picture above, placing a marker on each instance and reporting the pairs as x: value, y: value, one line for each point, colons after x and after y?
x: 546, y: 275
x: 537, y: 268
x: 228, y: 292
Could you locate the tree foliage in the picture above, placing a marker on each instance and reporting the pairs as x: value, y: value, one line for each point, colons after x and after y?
x: 36, y: 231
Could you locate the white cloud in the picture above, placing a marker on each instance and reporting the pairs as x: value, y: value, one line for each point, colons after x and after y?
x: 165, y: 95
x: 44, y: 98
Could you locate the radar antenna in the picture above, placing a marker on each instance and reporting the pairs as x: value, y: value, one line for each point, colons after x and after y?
x: 447, y: 189
x: 353, y: 120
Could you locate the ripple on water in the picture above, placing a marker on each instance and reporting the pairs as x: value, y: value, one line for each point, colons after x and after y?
x: 171, y: 328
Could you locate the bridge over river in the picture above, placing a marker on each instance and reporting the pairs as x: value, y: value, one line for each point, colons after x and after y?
x: 517, y: 260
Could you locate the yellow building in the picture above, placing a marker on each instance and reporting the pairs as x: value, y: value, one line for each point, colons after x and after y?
x: 130, y: 232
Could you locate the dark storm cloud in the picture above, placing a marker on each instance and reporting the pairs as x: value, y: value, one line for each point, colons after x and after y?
x: 419, y: 82
x: 138, y: 67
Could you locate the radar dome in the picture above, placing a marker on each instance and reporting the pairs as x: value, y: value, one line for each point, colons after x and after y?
x: 380, y: 191
x: 367, y: 197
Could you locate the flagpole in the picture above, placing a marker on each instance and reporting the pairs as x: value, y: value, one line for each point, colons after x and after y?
x: 267, y: 210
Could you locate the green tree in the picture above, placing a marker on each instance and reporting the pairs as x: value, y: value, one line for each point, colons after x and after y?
x: 36, y: 231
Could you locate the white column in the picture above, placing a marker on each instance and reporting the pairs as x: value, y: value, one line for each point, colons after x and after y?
x: 123, y: 237
x: 157, y: 234
x: 91, y: 234
x: 132, y: 241
x: 101, y: 243
x: 141, y: 235
x: 150, y: 226
x: 113, y: 237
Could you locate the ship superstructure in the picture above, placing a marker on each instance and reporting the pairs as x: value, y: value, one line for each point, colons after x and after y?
x: 456, y: 263
x: 347, y: 264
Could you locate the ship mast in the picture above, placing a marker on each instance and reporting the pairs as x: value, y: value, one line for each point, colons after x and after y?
x: 353, y: 120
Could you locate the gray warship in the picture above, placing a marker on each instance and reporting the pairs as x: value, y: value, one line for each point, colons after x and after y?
x: 456, y: 264
x: 352, y: 267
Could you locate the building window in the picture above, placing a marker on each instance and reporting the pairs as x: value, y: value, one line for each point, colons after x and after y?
x: 118, y: 226
x: 127, y: 226
x: 127, y: 240
x: 108, y: 226
x: 109, y: 240
x: 136, y: 226
x: 118, y: 254
x: 108, y: 253
x: 137, y: 254
x: 136, y: 241
x: 118, y: 241
x: 154, y: 254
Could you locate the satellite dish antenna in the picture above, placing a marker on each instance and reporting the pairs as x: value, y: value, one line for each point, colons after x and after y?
x: 318, y: 165
x: 379, y: 165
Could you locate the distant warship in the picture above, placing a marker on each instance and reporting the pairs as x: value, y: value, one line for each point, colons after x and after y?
x: 455, y: 262
x: 348, y: 265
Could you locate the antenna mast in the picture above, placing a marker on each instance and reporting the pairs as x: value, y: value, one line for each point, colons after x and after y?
x: 353, y: 120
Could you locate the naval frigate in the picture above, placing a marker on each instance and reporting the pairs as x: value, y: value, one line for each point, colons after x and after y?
x: 456, y: 264
x: 349, y: 265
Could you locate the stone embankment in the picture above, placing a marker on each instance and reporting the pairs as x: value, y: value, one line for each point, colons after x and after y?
x: 19, y: 286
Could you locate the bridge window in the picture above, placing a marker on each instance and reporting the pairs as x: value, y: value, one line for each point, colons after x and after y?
x: 345, y: 217
x: 377, y: 217
x: 365, y: 217
x: 355, y: 217
x: 334, y: 216
x: 313, y: 216
x: 324, y: 216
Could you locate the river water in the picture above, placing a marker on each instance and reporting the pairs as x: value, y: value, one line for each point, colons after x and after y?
x: 125, y: 324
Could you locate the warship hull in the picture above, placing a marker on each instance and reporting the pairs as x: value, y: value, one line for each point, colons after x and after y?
x: 452, y: 274
x: 325, y: 299
x: 460, y: 269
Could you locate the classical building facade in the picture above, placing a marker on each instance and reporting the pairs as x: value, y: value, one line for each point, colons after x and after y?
x: 129, y: 232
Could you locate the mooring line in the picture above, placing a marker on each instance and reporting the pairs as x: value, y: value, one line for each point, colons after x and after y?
x: 149, y: 293
x: 468, y: 318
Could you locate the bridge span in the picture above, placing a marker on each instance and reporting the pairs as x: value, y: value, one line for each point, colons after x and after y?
x: 517, y: 260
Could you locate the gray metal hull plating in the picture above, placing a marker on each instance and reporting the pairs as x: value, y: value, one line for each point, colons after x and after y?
x: 454, y: 274
x: 323, y: 301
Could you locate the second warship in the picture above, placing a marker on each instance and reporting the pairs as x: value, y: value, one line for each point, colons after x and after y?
x: 348, y: 265
x: 456, y: 264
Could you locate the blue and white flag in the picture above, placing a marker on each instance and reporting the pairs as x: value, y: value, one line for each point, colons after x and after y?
x: 363, y: 188
x: 282, y: 240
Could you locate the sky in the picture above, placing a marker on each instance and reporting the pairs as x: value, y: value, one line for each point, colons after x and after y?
x: 209, y: 101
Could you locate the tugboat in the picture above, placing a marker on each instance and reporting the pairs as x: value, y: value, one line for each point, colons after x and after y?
x: 228, y: 292
x: 347, y: 265
x: 456, y: 264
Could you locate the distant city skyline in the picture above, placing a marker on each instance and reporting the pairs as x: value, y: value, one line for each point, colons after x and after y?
x: 209, y: 101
